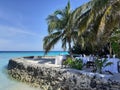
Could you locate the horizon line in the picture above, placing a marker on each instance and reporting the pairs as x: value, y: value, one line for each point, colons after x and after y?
x: 29, y: 51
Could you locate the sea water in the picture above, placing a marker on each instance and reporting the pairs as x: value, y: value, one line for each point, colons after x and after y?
x: 8, y: 84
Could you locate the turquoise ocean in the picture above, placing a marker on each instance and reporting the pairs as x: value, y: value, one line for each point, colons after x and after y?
x: 6, y: 83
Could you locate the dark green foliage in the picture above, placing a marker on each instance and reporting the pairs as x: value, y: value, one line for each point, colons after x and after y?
x: 77, y: 49
x: 96, y: 25
x: 115, y: 42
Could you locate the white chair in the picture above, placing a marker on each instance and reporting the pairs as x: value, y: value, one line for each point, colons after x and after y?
x: 59, y: 60
x: 114, y: 56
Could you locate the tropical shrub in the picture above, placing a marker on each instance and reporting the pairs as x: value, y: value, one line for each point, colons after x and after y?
x: 100, y: 64
x: 77, y: 63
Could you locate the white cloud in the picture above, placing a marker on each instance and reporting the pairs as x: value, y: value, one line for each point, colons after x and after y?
x: 13, y: 45
x: 16, y: 19
x: 4, y: 41
x: 12, y: 38
x: 13, y: 31
x: 14, y: 35
x: 11, y: 17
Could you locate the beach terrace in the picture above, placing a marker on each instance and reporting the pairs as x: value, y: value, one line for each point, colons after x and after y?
x: 91, y: 35
x: 45, y: 73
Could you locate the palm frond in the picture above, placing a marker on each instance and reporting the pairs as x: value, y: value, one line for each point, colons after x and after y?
x: 51, y: 43
x: 108, y: 64
x: 51, y: 40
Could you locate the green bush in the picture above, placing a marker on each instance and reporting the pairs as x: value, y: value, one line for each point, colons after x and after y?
x: 77, y: 64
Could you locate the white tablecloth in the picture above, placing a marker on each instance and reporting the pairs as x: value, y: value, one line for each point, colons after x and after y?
x: 112, y: 68
x: 85, y: 58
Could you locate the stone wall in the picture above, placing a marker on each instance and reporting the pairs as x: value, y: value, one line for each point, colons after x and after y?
x: 54, y: 78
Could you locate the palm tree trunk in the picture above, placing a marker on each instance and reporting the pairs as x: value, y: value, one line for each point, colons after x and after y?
x: 70, y: 48
x: 110, y: 50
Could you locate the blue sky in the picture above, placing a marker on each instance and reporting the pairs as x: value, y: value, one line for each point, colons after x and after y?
x: 23, y: 22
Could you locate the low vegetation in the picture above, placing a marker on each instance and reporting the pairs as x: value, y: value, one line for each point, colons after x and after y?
x: 77, y: 64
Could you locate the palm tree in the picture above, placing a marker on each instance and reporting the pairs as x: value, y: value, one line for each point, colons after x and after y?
x: 96, y: 20
x: 60, y: 27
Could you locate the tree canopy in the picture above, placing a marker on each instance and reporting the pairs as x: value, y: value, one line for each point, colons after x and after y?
x: 89, y: 26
